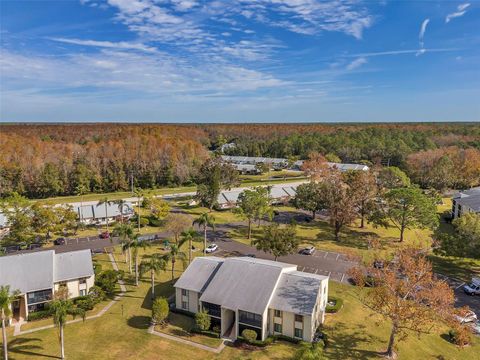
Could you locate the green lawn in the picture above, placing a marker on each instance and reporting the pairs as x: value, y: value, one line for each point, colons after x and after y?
x: 221, y: 217
x: 121, y: 332
x: 181, y: 326
x: 357, y: 333
x: 253, y: 180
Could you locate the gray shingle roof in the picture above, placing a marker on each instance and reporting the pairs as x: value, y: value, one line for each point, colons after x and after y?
x: 472, y: 201
x: 73, y: 265
x: 27, y: 272
x: 244, y: 284
x: 39, y: 270
x: 297, y: 292
x: 199, y: 273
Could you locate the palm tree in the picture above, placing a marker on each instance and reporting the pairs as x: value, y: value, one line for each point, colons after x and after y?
x: 138, y: 194
x: 81, y: 190
x: 121, y: 204
x: 60, y: 308
x: 136, y: 243
x: 6, y: 299
x: 125, y: 232
x: 107, y: 203
x: 175, y: 254
x: 189, y: 235
x: 154, y: 264
x: 205, y: 220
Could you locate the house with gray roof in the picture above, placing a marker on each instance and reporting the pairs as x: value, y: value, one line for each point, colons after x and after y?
x: 269, y: 297
x: 466, y: 201
x: 94, y: 212
x: 38, y: 275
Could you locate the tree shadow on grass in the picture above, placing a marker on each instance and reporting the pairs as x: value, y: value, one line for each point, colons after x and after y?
x: 163, y: 289
x: 347, y: 344
x: 139, y: 322
x: 26, y: 347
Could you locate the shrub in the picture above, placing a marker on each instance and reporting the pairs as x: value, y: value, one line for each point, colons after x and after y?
x: 97, y: 294
x: 259, y: 343
x: 216, y: 329
x: 159, y: 310
x: 334, y: 308
x: 249, y: 335
x: 107, y: 280
x: 37, y: 315
x: 84, y: 302
x: 144, y: 222
x: 286, y: 338
x: 183, y: 312
x: 97, y: 268
x: 459, y: 336
x: 202, y: 320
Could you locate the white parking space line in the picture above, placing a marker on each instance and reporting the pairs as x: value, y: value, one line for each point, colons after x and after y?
x: 329, y: 273
x: 459, y: 286
x: 337, y: 257
x: 326, y: 254
x: 343, y: 276
x: 316, y: 270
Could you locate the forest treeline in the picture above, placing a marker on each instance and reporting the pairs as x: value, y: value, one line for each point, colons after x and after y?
x: 43, y: 160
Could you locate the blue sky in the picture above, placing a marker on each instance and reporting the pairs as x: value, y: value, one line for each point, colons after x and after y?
x: 239, y: 60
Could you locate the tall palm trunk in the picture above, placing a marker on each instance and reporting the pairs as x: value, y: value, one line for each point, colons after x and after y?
x: 173, y: 267
x: 62, y: 346
x: 4, y: 336
x: 152, y: 278
x: 189, y: 250
x: 205, y: 240
x: 136, y: 267
x: 130, y: 260
x: 106, y: 217
x: 249, y: 229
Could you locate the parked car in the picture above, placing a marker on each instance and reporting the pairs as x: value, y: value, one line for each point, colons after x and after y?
x: 104, y: 235
x: 378, y: 264
x: 59, y: 241
x: 211, y: 248
x: 309, y: 250
x: 473, y: 288
x: 476, y: 327
x: 468, y: 317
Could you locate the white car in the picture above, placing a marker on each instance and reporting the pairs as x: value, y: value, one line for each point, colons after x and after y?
x: 468, y: 317
x: 211, y: 248
x: 473, y: 288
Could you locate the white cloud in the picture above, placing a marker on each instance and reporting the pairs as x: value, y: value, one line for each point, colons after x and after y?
x: 357, y: 63
x: 421, y: 36
x: 107, y: 44
x: 400, y: 52
x: 461, y: 10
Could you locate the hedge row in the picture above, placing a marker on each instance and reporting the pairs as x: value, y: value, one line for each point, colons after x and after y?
x: 335, y: 308
x: 209, y: 333
x: 181, y: 311
x: 38, y: 315
x: 269, y: 340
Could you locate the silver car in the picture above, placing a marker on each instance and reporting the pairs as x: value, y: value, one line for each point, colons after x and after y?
x: 310, y: 250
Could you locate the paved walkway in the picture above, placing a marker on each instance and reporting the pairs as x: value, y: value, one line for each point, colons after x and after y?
x: 217, y: 350
x: 17, y: 329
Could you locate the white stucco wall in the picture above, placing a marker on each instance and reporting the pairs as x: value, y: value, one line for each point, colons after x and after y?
x: 74, y: 286
x: 191, y: 298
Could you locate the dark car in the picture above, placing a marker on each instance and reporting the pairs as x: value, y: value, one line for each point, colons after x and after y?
x: 378, y: 264
x: 251, y: 255
x: 105, y: 235
x: 35, y: 246
x: 309, y: 250
x: 59, y: 241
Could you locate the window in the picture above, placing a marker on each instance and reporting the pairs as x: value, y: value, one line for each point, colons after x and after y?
x: 184, y: 305
x: 250, y: 318
x: 277, y: 313
x: 277, y: 328
x: 298, y: 318
x: 298, y: 333
x: 82, y: 281
x: 184, y: 292
x: 83, y: 292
